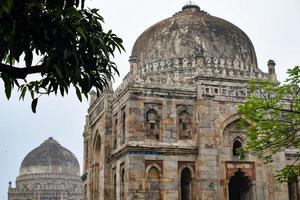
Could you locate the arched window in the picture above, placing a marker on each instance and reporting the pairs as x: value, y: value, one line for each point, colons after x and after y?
x: 236, y: 145
x: 152, y: 125
x: 153, y: 181
x: 186, y: 184
x: 115, y: 133
x: 85, y: 192
x: 153, y: 173
x: 97, y: 147
x: 123, y: 126
x: 234, y: 136
x: 122, y: 182
x: 97, y: 152
x: 185, y: 125
x: 86, y: 154
x: 115, y: 185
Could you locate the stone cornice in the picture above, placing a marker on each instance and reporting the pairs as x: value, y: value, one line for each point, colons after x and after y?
x: 48, y: 176
x: 145, y: 148
x: 164, y: 92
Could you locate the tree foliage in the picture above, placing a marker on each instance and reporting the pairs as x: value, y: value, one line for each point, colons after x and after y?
x: 68, y: 40
x: 273, y: 111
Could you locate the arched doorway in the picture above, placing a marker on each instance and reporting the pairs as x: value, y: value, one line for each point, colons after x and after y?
x: 239, y: 187
x: 186, y: 184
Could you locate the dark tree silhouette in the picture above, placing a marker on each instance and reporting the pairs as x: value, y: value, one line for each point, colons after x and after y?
x: 68, y: 41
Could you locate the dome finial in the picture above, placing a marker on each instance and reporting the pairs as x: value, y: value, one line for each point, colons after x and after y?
x: 50, y: 140
x: 191, y: 6
x: 189, y: 3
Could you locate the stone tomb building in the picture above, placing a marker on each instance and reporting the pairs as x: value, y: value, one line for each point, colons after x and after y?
x: 49, y: 172
x: 170, y: 130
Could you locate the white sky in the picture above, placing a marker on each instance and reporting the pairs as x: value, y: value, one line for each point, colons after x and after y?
x: 272, y: 25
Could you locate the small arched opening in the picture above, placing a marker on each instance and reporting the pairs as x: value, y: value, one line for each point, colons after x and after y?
x: 97, y: 153
x: 123, y: 127
x: 115, y: 134
x: 185, y: 125
x: 114, y: 185
x: 152, y: 125
x: 97, y: 148
x: 153, y: 181
x: 86, y: 154
x: 235, y: 147
x: 186, y: 184
x: 85, y: 192
x: 122, y: 189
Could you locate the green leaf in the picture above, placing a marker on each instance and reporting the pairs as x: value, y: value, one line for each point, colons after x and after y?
x: 78, y: 93
x: 62, y: 90
x: 34, y: 104
x: 7, y: 85
x: 81, y: 32
x: 5, y: 7
x: 58, y: 70
x: 23, y: 92
x: 32, y: 94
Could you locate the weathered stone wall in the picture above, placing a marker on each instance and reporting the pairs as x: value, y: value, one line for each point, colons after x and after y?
x: 207, y: 153
x: 97, y: 170
x: 171, y: 130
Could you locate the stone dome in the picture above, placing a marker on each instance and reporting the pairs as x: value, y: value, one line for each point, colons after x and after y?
x: 189, y: 35
x: 50, y: 157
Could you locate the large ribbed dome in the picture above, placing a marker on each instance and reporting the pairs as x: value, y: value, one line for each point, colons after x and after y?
x: 50, y: 157
x: 191, y: 34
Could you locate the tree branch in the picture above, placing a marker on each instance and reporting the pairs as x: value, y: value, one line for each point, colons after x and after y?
x: 20, y: 73
x: 294, y: 97
x: 285, y: 110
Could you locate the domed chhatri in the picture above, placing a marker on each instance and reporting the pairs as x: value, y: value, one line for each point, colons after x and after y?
x: 193, y: 34
x: 49, y: 171
x: 50, y: 157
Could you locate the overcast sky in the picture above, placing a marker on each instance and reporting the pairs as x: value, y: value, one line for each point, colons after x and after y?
x: 272, y: 25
